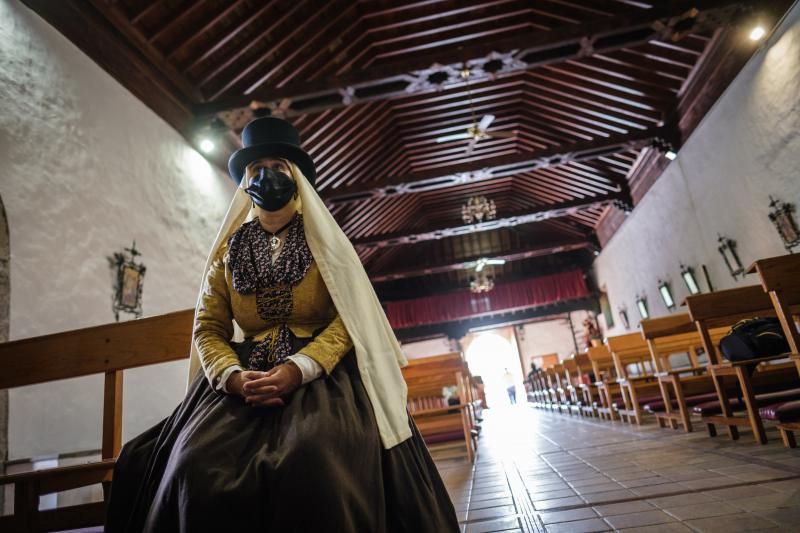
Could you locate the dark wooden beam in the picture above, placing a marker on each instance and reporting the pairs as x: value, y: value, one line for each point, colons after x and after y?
x: 456, y: 330
x: 487, y: 58
x: 487, y: 169
x: 524, y: 217
x: 470, y: 263
x: 94, y: 34
x: 119, y: 20
x: 724, y: 58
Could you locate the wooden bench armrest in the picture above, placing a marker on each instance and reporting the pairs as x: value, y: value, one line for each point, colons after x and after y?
x: 439, y: 410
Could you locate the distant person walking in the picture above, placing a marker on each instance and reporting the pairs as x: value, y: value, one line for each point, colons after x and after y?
x: 511, y: 388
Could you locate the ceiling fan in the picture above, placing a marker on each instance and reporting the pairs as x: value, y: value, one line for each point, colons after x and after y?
x: 484, y: 261
x: 477, y: 130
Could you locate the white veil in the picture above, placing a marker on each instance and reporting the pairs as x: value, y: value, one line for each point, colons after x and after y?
x: 378, y: 353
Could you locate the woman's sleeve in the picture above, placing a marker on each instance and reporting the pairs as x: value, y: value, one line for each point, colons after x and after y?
x: 213, y: 327
x: 330, y: 346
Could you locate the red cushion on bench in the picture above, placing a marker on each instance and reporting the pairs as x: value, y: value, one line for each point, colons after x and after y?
x: 658, y: 406
x: 443, y: 437
x: 781, y: 411
x: 713, y: 408
x: 619, y: 404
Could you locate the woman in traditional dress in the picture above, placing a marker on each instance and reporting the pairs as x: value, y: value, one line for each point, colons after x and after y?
x: 302, y: 426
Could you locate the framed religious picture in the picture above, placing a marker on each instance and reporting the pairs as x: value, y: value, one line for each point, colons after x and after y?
x: 131, y: 278
x: 127, y: 282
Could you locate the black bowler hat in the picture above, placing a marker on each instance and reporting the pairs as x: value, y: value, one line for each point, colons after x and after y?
x: 270, y: 137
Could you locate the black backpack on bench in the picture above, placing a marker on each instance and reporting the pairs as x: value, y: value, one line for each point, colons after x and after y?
x: 753, y: 338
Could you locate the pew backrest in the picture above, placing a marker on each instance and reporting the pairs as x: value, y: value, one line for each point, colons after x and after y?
x: 108, y: 349
x: 627, y: 350
x: 725, y: 308
x: 602, y: 363
x: 780, y: 278
x: 675, y: 334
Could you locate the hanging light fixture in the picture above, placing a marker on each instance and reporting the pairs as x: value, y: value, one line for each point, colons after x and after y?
x: 478, y: 209
x: 782, y: 216
x: 481, y: 283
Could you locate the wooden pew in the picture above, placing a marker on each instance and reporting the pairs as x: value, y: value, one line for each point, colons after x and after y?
x: 780, y: 278
x: 589, y: 394
x: 628, y: 351
x: 551, y: 386
x: 108, y: 349
x: 681, y: 386
x: 540, y: 390
x: 559, y: 386
x: 724, y: 309
x: 425, y: 378
x: 572, y: 384
x: 605, y: 380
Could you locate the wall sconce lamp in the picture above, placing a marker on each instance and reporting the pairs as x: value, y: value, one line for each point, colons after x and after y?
x: 208, y: 135
x: 641, y: 305
x: 783, y: 219
x: 666, y: 147
x: 727, y: 248
x: 666, y: 294
x: 687, y: 273
x: 623, y: 317
x: 127, y: 282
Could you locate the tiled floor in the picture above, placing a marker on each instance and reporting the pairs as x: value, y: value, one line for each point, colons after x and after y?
x: 543, y: 471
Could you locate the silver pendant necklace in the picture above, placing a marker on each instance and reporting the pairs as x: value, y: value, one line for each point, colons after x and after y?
x: 274, y: 240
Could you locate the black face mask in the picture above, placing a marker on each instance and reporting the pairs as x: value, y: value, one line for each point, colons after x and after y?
x: 271, y: 189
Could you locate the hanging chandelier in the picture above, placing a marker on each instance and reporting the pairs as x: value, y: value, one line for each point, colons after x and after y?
x: 478, y: 209
x: 481, y: 283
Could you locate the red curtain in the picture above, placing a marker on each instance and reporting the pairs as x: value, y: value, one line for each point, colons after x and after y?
x: 503, y: 298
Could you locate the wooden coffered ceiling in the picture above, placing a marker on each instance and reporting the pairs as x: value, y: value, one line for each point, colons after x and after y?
x: 594, y: 91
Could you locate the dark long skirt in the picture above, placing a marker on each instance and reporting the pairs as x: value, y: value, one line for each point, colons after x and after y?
x: 315, y: 464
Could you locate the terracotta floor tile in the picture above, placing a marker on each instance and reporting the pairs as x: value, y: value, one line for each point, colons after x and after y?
x: 623, y: 508
x: 544, y: 505
x: 732, y: 523
x: 701, y: 510
x: 567, y: 516
x: 645, y: 518
x: 501, y: 524
x: 581, y: 526
x: 578, y: 474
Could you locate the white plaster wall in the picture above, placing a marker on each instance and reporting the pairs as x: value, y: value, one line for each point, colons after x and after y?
x: 427, y: 348
x: 745, y: 149
x: 86, y: 169
x: 550, y: 336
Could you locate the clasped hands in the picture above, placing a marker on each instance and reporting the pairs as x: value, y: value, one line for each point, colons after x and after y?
x: 266, y: 388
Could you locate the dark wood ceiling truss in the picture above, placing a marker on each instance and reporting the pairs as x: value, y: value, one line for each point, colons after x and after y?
x: 586, y: 92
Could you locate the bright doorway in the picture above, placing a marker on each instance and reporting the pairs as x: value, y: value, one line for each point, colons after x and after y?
x: 488, y: 356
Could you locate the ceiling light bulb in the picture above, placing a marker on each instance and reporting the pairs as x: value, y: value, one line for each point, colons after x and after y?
x: 757, y: 33
x: 670, y: 155
x: 206, y: 145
